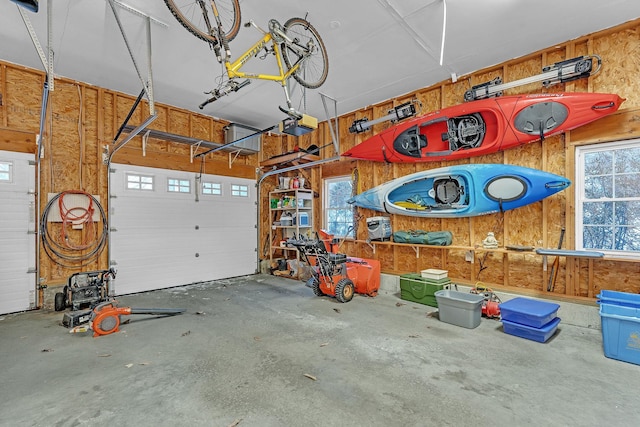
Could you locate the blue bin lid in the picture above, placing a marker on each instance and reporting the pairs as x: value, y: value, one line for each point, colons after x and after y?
x: 530, y: 307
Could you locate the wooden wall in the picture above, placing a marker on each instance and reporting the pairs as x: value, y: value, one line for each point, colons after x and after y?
x: 83, y: 121
x: 536, y: 225
x: 80, y: 127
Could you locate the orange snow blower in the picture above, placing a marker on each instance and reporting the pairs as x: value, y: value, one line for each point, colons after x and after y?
x: 334, y: 273
x: 105, y: 317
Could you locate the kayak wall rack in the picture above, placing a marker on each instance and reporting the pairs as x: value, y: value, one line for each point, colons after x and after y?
x: 560, y: 72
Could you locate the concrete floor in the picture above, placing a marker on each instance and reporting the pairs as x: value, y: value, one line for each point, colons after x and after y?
x: 264, y: 351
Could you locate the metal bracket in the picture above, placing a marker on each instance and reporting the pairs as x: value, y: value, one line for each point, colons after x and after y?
x: 560, y: 72
x: 235, y: 156
x: 148, y: 84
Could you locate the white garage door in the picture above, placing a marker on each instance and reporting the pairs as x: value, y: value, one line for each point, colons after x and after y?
x: 165, y: 233
x: 17, y: 232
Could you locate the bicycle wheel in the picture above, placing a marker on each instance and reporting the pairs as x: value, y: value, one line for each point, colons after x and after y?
x: 199, y: 23
x: 309, y: 50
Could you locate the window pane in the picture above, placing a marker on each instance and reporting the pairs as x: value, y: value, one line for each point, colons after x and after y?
x: 627, y: 185
x: 597, y: 187
x: 598, y: 163
x: 627, y: 160
x: 598, y: 237
x: 598, y: 213
x: 339, y: 193
x: 626, y: 213
x: 627, y: 239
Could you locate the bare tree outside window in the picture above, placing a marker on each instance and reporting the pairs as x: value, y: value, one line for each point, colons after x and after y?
x: 608, y: 200
x: 338, y: 214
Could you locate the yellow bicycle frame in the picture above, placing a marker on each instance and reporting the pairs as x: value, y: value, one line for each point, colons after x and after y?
x: 233, y: 68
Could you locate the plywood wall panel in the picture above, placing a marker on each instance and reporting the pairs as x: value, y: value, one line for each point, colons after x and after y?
x: 429, y: 258
x: 518, y: 70
x: 525, y: 271
x: 620, y: 73
x: 23, y: 99
x: 616, y: 276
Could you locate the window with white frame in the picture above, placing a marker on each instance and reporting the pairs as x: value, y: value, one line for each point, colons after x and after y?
x: 137, y: 181
x: 212, y: 188
x: 608, y: 198
x: 175, y: 185
x: 6, y: 171
x: 238, y: 190
x: 338, y: 214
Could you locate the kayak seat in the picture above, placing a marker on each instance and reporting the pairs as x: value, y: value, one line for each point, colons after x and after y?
x: 410, y: 142
x: 447, y: 191
x: 464, y: 132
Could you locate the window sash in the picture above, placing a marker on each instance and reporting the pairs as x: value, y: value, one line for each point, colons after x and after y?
x: 6, y: 171
x: 139, y: 182
x: 337, y: 213
x: 238, y: 190
x: 212, y: 188
x: 608, y: 198
x: 176, y: 185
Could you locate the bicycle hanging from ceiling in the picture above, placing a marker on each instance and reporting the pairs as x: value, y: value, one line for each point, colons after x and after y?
x: 296, y: 46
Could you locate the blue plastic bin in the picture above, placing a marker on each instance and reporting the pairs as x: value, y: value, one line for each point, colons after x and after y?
x: 619, y: 298
x: 529, y: 312
x: 621, y: 332
x: 535, y: 334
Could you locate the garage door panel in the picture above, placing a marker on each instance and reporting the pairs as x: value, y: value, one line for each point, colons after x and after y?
x: 17, y: 237
x: 170, y: 239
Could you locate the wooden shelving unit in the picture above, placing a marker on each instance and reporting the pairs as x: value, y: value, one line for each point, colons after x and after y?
x: 296, y: 204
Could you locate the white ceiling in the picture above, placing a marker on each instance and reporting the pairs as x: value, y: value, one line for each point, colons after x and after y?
x: 378, y: 49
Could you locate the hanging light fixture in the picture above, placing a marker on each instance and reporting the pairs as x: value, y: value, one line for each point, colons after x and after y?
x: 444, y: 30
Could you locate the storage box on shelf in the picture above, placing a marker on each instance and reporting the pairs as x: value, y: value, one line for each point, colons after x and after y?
x: 291, y: 215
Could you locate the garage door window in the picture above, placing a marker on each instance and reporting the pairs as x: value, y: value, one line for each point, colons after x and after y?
x: 175, y: 185
x: 239, y: 190
x: 6, y: 172
x: 140, y: 182
x: 212, y: 188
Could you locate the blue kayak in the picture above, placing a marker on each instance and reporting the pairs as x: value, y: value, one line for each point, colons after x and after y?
x: 461, y: 191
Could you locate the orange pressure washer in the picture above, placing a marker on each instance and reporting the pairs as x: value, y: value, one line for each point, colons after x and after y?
x: 105, y: 318
x: 334, y: 273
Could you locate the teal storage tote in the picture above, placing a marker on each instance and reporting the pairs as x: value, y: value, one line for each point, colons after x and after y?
x: 621, y: 332
x: 414, y: 287
x: 619, y: 298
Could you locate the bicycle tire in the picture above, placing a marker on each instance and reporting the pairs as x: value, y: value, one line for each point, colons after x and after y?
x: 315, y: 69
x: 189, y: 14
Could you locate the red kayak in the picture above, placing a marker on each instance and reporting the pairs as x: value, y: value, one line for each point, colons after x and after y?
x: 485, y: 126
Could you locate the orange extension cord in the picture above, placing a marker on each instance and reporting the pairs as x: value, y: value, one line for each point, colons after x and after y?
x: 77, y: 216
